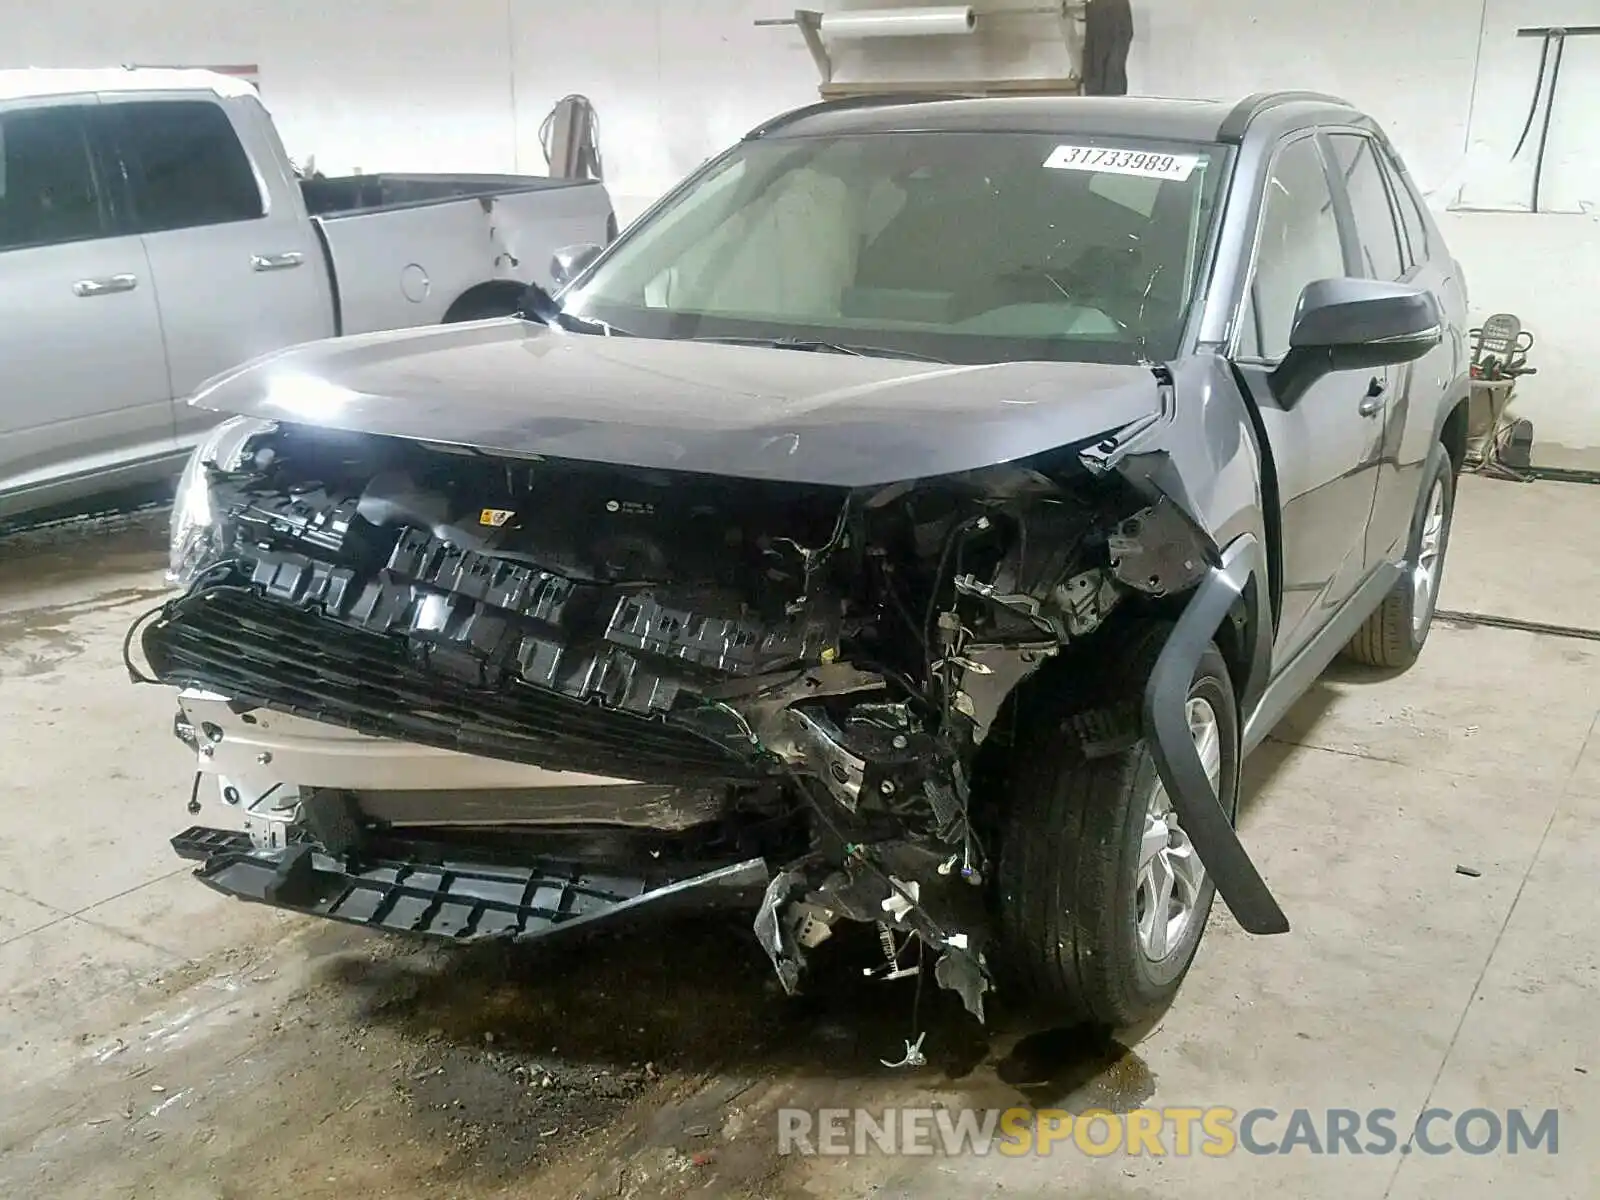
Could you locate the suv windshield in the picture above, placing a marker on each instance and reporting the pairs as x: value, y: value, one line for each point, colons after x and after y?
x: 964, y: 247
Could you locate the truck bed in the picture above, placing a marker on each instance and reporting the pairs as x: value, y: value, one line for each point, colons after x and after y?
x: 409, y: 250
x: 349, y: 194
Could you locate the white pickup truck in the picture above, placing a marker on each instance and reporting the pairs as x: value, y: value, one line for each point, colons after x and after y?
x: 153, y: 233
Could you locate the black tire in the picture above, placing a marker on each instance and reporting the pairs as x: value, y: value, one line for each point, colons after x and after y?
x: 1392, y: 636
x: 1073, y: 820
x: 501, y: 303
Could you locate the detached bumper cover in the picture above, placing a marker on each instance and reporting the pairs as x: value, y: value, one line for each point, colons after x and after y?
x: 454, y: 901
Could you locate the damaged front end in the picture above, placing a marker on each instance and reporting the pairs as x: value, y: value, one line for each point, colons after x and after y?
x: 801, y: 679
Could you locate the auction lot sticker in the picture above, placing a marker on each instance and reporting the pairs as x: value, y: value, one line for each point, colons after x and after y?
x: 1149, y: 164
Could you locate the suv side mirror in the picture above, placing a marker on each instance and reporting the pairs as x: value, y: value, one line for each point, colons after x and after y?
x: 567, y: 263
x: 1353, y: 325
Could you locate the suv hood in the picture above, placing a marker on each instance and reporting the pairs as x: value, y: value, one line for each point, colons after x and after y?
x: 513, y: 387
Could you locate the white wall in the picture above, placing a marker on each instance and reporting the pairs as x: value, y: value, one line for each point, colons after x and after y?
x: 1414, y: 64
x: 1493, y: 175
x: 674, y: 81
x: 464, y: 85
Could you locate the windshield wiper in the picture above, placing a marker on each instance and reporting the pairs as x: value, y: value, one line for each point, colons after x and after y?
x: 819, y: 346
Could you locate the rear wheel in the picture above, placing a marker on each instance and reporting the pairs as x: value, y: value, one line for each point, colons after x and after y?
x: 484, y: 303
x: 1102, y: 898
x: 1393, y: 636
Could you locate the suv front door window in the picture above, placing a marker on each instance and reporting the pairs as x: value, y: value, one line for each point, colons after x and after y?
x: 1298, y: 243
x: 1326, y: 446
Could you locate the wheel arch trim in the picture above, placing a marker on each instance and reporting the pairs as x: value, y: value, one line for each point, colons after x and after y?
x: 1167, y: 729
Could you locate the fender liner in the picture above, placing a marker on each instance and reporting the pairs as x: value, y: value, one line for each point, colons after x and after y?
x: 1172, y: 746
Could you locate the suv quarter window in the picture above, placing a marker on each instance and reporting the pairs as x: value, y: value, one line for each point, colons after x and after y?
x: 1378, y: 235
x: 49, y: 188
x: 1297, y: 242
x: 185, y: 165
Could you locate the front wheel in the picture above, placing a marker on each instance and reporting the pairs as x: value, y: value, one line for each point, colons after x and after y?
x: 1394, y: 634
x: 1102, y: 899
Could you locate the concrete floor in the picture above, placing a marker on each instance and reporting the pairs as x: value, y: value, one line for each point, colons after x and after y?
x: 157, y: 1040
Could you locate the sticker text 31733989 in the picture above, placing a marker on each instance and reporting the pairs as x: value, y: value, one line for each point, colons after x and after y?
x: 1151, y: 164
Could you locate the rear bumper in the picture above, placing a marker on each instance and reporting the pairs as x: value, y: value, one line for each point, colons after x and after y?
x: 455, y: 901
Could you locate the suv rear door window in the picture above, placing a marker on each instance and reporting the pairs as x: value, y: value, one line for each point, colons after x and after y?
x: 1357, y: 160
x: 48, y: 190
x: 185, y: 165
x: 1299, y: 244
x: 1411, y: 219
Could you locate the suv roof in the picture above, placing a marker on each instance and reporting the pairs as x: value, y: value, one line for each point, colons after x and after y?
x: 1142, y: 116
x: 43, y: 82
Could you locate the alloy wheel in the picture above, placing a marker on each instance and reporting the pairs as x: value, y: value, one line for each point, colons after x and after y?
x: 1171, y: 876
x: 1425, y: 571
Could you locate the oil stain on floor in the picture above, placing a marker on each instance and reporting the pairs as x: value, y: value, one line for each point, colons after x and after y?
x: 646, y: 1060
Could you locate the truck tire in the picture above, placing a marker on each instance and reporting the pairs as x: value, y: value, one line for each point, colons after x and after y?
x: 1102, y: 901
x: 1393, y: 636
x: 484, y: 302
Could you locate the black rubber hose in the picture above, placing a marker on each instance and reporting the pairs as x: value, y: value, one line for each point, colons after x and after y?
x: 1538, y: 92
x: 1549, y: 112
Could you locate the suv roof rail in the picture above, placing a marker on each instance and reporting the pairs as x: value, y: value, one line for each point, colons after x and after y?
x: 1238, y: 120
x: 874, y: 100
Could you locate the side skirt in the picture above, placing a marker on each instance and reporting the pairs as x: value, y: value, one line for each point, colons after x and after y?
x: 1314, y: 657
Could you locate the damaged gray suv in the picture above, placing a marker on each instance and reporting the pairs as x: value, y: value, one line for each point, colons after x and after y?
x: 914, y: 519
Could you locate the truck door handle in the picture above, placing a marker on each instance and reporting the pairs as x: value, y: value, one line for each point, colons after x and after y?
x: 276, y: 262
x: 105, y: 286
x: 1372, y: 402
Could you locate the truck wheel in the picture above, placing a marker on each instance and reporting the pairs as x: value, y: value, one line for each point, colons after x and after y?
x: 1102, y: 898
x: 485, y: 302
x: 1394, y: 634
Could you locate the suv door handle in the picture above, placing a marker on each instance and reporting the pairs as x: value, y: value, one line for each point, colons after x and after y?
x: 105, y: 286
x: 1372, y: 402
x: 276, y: 262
